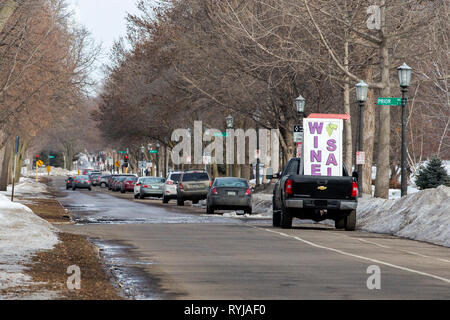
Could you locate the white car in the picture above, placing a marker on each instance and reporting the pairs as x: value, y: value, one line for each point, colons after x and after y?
x: 137, y: 187
x: 170, y: 186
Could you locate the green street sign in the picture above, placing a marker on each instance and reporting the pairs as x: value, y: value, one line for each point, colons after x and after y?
x: 122, y: 152
x: 51, y: 157
x: 221, y: 134
x: 152, y: 151
x: 389, y: 101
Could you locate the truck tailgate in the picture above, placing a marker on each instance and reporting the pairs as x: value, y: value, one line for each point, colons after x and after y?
x: 322, y: 187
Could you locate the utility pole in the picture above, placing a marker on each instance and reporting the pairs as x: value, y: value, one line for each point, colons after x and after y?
x: 16, y: 150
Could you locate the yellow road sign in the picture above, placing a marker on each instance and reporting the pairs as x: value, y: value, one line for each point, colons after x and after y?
x: 118, y: 164
x: 49, y: 168
x: 39, y: 163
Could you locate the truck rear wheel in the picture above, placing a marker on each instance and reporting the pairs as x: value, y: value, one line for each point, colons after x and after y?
x: 350, y: 221
x: 276, y: 218
x: 347, y: 222
x: 286, y: 218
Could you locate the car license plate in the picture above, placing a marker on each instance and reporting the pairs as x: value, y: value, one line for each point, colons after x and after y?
x: 155, y: 187
x: 232, y: 193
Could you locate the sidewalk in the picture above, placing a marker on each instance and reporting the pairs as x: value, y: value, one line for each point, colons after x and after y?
x: 36, y: 256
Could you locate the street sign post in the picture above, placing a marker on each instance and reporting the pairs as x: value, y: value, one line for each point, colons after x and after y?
x: 16, y: 150
x: 298, y: 133
x: 389, y: 101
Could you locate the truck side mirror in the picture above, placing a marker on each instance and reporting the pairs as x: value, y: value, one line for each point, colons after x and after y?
x: 355, y: 175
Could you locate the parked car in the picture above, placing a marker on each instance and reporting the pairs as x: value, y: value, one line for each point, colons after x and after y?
x: 104, y: 181
x: 229, y: 194
x: 128, y: 184
x: 194, y: 186
x: 314, y: 197
x: 87, y: 172
x: 95, y: 178
x: 170, y: 186
x: 81, y: 182
x: 149, y: 187
x: 116, y: 183
x: 69, y: 182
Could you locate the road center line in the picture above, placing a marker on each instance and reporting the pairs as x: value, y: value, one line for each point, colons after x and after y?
x: 359, y: 257
x: 387, y: 247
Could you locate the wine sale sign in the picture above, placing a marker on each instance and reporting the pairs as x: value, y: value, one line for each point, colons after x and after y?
x: 323, y: 147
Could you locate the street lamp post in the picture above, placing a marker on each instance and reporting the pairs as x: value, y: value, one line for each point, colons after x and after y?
x: 157, y: 159
x: 230, y: 125
x: 143, y: 159
x: 257, y: 118
x: 404, y: 76
x: 362, y: 89
x: 300, y: 103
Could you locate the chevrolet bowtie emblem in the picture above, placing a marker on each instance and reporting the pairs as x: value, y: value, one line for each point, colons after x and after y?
x: 322, y: 188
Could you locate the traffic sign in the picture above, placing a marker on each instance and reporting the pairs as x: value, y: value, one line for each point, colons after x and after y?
x: 299, y: 149
x: 117, y: 164
x: 49, y: 169
x: 298, y: 133
x: 142, y: 164
x: 39, y: 163
x: 360, y: 158
x: 153, y: 151
x: 122, y: 152
x: 51, y: 157
x: 389, y: 101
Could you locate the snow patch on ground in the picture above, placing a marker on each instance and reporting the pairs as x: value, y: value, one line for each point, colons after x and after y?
x: 22, y: 233
x: 423, y: 216
x: 29, y: 188
x: 42, y: 172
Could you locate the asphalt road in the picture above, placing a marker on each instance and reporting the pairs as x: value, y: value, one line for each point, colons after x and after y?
x: 166, y: 252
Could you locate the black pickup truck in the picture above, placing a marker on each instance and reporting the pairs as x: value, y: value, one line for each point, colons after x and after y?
x: 314, y: 197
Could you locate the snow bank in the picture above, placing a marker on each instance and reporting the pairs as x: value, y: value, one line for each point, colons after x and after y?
x: 28, y: 187
x: 423, y: 216
x: 22, y: 233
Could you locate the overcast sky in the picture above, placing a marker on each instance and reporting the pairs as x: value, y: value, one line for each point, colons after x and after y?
x: 105, y: 19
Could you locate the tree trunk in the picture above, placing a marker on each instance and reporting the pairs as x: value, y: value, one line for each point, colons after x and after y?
x: 5, y: 173
x: 382, y: 181
x: 348, y: 146
x: 369, y: 135
x: 6, y: 12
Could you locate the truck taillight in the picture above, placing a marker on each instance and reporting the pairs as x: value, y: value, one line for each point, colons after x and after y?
x: 210, y: 184
x: 288, y: 187
x: 354, y: 190
x: 180, y: 186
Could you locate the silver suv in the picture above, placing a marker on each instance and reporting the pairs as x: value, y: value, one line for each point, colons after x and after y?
x: 194, y: 186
